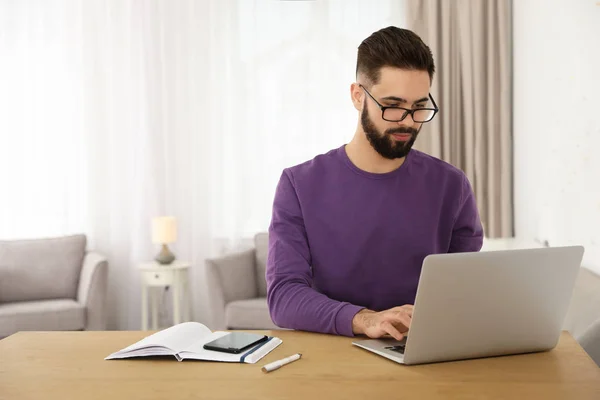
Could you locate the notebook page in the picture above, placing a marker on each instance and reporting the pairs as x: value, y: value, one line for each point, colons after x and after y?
x: 175, y: 338
x: 152, y: 351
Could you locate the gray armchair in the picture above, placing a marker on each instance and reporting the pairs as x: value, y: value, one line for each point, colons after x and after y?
x: 590, y: 341
x: 51, y: 284
x: 583, y: 317
x: 237, y: 289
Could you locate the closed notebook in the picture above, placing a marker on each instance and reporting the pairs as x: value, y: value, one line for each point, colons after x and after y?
x: 185, y: 341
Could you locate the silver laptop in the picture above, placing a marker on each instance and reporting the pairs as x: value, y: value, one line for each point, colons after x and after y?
x: 474, y: 305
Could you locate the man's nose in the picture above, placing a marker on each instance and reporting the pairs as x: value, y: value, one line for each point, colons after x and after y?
x: 408, y: 121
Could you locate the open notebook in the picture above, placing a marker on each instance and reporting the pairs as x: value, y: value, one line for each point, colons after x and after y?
x: 184, y: 341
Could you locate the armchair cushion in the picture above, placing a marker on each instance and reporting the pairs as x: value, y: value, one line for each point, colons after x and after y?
x: 229, y: 278
x: 261, y: 245
x: 235, y: 275
x: 249, y: 314
x: 43, y: 315
x: 40, y: 269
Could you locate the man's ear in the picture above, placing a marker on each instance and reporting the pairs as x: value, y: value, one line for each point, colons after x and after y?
x: 356, y: 93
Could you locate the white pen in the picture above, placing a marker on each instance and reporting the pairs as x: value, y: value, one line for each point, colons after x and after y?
x: 280, y: 363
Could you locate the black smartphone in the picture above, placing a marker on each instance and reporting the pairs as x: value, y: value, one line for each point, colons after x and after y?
x: 235, y: 342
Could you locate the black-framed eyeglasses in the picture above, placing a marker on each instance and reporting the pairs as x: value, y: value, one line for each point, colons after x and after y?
x: 397, y: 114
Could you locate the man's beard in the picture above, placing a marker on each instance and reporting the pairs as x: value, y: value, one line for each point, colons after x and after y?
x: 383, y: 143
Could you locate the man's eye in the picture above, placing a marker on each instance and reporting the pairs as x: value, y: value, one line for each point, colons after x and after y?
x: 420, y: 106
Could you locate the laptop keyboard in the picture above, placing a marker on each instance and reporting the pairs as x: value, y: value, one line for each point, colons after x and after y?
x: 397, y: 349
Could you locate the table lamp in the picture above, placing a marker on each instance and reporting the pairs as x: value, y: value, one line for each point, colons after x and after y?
x: 164, y: 231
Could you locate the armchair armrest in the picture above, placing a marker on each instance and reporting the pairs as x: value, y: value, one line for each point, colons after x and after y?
x: 590, y: 341
x: 229, y: 278
x: 92, y: 290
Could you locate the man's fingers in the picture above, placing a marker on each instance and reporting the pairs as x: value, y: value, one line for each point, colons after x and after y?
x: 389, y: 328
x: 396, y: 318
x: 407, y: 308
x: 410, y: 306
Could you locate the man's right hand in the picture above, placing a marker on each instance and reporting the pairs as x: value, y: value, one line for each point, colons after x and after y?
x: 394, y: 322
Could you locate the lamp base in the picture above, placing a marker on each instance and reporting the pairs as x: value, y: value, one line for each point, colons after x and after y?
x: 165, y: 256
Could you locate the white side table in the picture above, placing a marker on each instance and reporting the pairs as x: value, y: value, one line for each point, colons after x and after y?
x: 155, y: 275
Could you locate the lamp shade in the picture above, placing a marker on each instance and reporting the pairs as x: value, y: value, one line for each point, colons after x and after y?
x: 164, y: 230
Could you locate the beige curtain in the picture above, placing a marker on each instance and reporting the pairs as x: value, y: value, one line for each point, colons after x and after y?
x: 471, y: 45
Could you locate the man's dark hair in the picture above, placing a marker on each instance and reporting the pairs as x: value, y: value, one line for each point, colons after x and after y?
x: 393, y: 47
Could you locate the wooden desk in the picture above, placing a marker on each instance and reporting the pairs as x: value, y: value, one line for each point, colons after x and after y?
x: 71, y: 365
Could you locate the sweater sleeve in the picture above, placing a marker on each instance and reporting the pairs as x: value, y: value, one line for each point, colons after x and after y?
x: 293, y: 302
x: 467, y: 233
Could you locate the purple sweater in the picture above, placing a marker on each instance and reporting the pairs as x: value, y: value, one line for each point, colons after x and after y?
x: 342, y: 239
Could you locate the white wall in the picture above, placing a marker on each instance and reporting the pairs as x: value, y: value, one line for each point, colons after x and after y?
x: 557, y: 156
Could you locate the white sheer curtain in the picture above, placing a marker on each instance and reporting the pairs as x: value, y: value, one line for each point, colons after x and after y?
x: 557, y: 129
x: 112, y: 112
x: 42, y: 152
